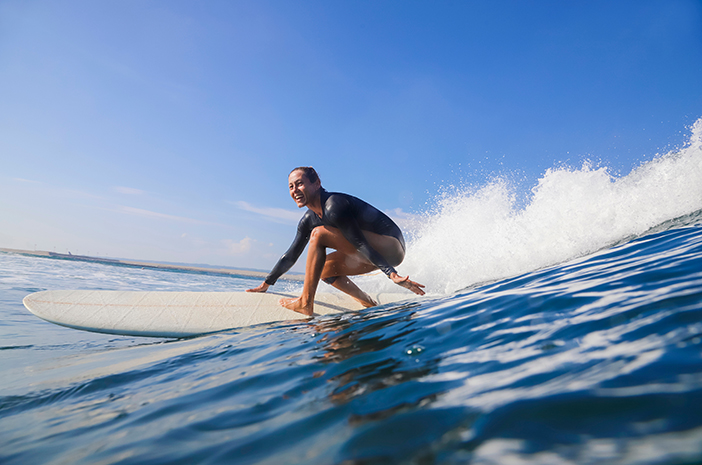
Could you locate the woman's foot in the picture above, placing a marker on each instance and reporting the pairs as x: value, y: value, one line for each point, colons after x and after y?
x: 297, y: 305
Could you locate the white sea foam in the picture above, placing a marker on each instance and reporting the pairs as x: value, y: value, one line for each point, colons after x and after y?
x: 484, y: 234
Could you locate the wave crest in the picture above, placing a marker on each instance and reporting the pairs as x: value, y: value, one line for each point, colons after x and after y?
x: 484, y: 234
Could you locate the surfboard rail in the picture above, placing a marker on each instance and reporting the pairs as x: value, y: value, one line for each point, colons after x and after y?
x: 176, y: 314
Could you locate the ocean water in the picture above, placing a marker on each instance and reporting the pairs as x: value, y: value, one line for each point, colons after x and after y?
x: 564, y: 327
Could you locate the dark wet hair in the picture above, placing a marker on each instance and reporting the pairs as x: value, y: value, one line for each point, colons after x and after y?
x: 308, y: 172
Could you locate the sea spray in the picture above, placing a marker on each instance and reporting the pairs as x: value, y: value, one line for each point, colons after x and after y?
x: 478, y: 235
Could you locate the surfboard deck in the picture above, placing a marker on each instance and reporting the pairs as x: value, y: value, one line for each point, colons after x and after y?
x: 176, y: 314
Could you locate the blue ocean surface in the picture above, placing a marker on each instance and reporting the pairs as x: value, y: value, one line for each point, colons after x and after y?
x: 560, y: 327
x: 595, y: 360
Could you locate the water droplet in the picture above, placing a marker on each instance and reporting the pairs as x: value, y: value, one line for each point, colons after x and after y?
x: 414, y: 350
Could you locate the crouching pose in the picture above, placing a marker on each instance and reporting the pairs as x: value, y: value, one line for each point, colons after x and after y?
x: 364, y: 239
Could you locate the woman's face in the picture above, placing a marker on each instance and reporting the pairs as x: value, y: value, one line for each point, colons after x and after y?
x: 302, y: 190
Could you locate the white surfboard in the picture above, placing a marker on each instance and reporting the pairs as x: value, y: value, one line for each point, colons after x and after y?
x: 176, y: 314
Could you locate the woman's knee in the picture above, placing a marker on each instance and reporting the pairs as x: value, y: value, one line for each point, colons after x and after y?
x: 317, y: 234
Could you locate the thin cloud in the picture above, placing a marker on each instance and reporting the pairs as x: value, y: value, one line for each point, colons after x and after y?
x: 59, y: 191
x: 400, y: 214
x: 161, y: 216
x: 273, y: 213
x: 240, y: 247
x: 128, y: 190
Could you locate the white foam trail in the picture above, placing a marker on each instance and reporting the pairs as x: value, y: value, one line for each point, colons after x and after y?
x: 477, y: 236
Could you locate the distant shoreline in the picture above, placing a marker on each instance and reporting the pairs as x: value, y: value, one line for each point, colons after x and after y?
x: 152, y: 265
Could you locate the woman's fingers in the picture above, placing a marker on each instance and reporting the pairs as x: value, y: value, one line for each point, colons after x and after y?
x: 409, y: 284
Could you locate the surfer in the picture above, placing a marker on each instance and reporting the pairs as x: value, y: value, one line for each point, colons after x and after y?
x: 364, y: 239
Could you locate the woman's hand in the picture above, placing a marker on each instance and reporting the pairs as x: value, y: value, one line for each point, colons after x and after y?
x: 407, y: 283
x: 263, y: 287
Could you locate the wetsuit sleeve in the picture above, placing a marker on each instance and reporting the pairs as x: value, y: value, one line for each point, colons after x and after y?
x: 288, y: 259
x: 340, y: 213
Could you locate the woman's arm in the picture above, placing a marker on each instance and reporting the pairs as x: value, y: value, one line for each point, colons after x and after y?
x: 288, y: 259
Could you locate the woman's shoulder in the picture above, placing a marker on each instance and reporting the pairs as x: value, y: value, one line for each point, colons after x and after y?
x: 309, y: 220
x: 335, y: 201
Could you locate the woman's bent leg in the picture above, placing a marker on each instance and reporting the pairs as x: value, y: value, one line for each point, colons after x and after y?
x: 346, y: 261
x: 316, y: 256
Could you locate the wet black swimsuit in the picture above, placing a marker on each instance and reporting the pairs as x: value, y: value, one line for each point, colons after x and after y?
x: 351, y: 216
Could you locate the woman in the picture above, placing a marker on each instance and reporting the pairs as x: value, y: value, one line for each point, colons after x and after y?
x: 364, y: 238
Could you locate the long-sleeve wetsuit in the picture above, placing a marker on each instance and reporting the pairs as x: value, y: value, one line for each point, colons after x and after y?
x: 351, y: 216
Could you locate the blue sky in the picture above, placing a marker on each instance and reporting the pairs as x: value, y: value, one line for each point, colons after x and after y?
x: 165, y: 130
